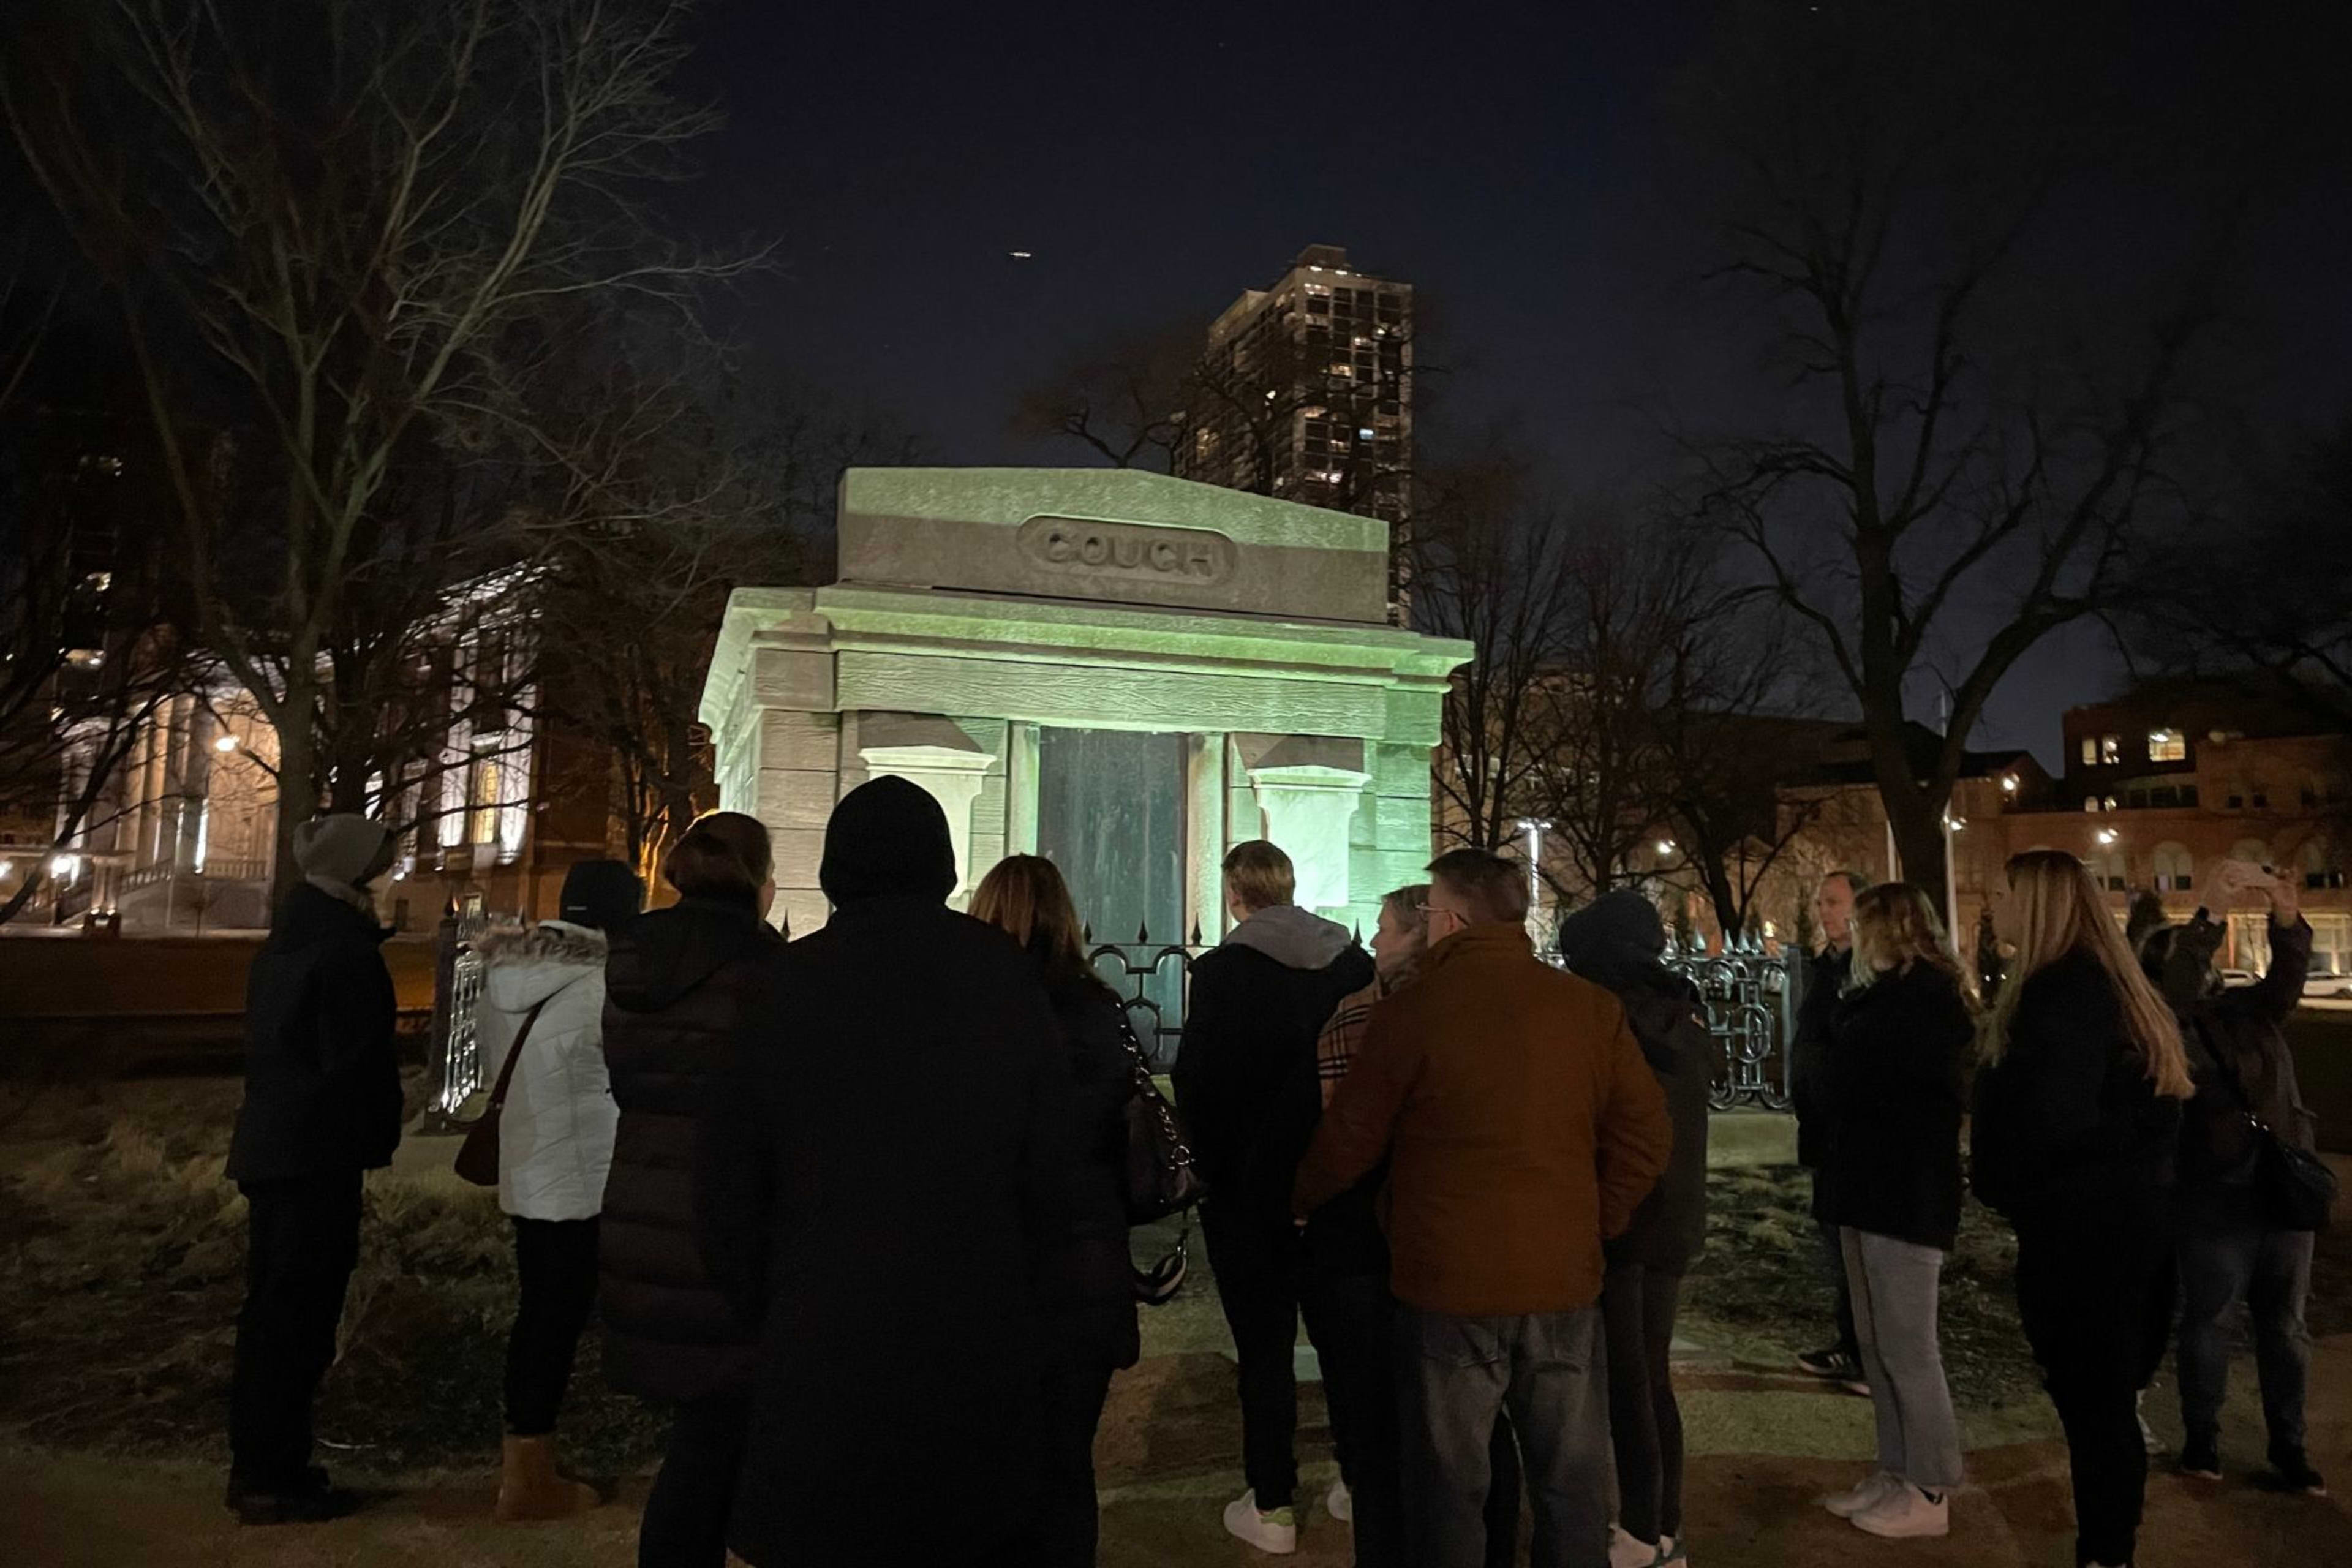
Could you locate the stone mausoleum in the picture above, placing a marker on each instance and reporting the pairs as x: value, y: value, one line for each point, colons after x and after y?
x: 1125, y: 672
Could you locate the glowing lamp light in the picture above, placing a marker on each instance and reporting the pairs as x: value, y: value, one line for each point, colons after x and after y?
x: 2107, y: 836
x: 1665, y: 846
x: 226, y: 743
x: 65, y: 865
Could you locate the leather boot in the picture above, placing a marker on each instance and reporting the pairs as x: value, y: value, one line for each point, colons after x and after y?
x: 530, y: 1487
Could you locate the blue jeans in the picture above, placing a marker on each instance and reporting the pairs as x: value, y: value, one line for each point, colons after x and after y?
x: 1457, y: 1375
x: 2270, y: 1270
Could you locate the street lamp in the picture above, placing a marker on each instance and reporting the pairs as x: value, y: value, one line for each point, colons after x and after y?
x: 226, y: 743
x: 1535, y: 827
x: 2107, y: 836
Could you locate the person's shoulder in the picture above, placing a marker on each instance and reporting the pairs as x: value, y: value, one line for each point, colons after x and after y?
x: 2074, y: 977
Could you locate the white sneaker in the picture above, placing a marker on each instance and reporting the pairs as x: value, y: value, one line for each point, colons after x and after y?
x: 1340, y: 1503
x: 1863, y: 1494
x: 1907, y: 1514
x: 1275, y: 1534
x: 1628, y: 1551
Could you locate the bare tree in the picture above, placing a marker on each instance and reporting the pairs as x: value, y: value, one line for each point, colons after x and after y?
x: 1941, y: 481
x: 1124, y: 399
x: 683, y: 494
x: 2255, y: 596
x: 336, y: 230
x: 83, y: 664
x: 1490, y: 568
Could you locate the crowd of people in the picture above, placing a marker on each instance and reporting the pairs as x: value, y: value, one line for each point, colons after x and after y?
x: 854, y: 1208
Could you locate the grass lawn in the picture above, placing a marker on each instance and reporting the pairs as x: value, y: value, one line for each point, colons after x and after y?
x: 120, y: 1287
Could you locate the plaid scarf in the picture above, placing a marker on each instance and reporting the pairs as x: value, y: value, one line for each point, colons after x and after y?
x: 1343, y: 1035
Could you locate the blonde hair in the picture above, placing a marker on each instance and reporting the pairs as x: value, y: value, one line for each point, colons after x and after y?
x: 2063, y: 913
x: 1410, y: 905
x: 724, y: 854
x: 1896, y: 927
x: 1259, y: 876
x: 1025, y: 897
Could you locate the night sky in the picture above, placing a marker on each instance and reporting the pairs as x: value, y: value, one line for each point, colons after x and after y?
x: 1518, y: 164
x: 1514, y: 163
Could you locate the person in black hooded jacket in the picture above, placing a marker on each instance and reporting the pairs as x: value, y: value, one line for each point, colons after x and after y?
x: 1246, y: 1081
x: 885, y: 1173
x: 1088, y: 1291
x: 675, y: 986
x: 321, y: 1106
x: 1617, y: 942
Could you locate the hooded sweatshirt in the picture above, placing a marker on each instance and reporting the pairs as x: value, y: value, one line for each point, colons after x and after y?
x: 338, y: 855
x: 884, y: 1176
x: 1617, y: 942
x: 555, y: 1134
x: 1245, y: 1077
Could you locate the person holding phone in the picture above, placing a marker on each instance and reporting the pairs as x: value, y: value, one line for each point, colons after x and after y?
x: 2232, y: 1248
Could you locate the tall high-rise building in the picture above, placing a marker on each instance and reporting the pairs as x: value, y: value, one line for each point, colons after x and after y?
x: 1306, y: 393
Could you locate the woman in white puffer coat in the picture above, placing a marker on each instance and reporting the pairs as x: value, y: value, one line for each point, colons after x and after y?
x: 555, y: 1145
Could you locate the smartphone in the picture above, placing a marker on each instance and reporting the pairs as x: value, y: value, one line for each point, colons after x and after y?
x: 2253, y: 876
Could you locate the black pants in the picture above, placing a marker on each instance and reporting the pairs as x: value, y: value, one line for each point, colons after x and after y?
x: 1645, y: 1423
x: 1351, y: 1319
x: 685, y: 1524
x: 1504, y: 1483
x: 1833, y: 1256
x: 1256, y: 1260
x: 2095, y: 1295
x: 303, y: 1241
x: 556, y: 1261
x: 1075, y: 1385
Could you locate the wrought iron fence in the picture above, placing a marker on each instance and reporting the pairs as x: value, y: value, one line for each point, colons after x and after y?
x: 1751, y: 1011
x: 1152, y: 980
x: 454, y: 1059
x: 1750, y: 997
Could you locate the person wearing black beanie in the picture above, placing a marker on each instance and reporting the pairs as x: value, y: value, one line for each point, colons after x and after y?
x: 882, y: 1169
x: 888, y: 838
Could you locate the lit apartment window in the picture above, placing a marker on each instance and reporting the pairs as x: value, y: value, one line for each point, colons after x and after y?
x: 2111, y: 749
x: 2173, y: 870
x: 2166, y: 746
x: 2090, y: 751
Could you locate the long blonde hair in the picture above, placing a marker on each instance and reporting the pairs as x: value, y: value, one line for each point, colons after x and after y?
x: 1896, y: 927
x: 2064, y: 913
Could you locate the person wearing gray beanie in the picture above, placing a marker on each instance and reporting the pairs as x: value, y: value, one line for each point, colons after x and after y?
x: 341, y: 853
x: 321, y: 1107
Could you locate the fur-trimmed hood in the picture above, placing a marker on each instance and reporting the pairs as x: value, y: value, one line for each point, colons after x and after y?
x: 527, y: 964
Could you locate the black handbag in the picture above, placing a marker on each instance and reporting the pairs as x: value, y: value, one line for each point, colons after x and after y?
x: 478, y: 1156
x: 1162, y: 1178
x: 2294, y: 1187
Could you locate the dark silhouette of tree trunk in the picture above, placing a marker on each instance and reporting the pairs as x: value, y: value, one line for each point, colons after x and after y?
x: 1946, y: 481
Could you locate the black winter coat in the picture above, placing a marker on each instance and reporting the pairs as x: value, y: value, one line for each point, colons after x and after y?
x: 1089, y: 1289
x: 1665, y: 1013
x: 2239, y: 1029
x: 675, y: 986
x: 885, y: 1169
x: 1245, y: 1077
x: 1809, y: 1055
x: 1898, y: 1087
x: 2067, y: 1120
x: 322, y: 1077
